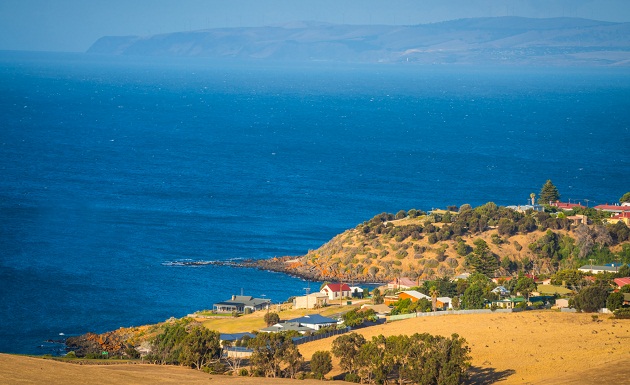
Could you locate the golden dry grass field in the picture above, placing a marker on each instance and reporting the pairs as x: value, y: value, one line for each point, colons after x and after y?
x: 519, y: 348
x: 542, y: 347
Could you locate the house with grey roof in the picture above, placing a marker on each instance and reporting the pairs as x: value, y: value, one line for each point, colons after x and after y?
x: 593, y: 269
x: 287, y: 326
x: 315, y: 321
x: 241, y: 304
x: 302, y: 325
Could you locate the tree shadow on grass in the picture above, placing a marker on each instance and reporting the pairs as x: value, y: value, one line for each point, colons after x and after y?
x: 486, y: 376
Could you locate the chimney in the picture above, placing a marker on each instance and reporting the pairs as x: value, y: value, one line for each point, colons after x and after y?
x: 233, y: 297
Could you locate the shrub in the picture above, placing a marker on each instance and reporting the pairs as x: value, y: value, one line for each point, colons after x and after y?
x: 623, y: 313
x: 243, y: 372
x: 71, y: 354
x: 352, y: 377
x: 591, y: 299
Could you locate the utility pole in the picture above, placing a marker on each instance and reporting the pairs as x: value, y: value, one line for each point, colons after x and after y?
x: 307, y: 290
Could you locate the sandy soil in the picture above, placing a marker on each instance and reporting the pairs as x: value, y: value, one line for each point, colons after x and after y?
x: 518, y: 348
x: 530, y: 347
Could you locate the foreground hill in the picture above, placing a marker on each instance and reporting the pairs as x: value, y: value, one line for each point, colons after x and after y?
x: 525, y: 348
x: 529, y: 347
x: 502, y: 40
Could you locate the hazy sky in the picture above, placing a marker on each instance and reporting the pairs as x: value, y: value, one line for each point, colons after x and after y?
x: 73, y: 25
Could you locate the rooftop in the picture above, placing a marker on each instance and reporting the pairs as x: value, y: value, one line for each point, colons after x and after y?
x: 313, y: 319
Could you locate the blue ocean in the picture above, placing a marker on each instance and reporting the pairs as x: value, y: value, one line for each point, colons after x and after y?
x: 112, y: 167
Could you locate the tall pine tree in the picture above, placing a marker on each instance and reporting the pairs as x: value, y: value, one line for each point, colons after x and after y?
x: 548, y: 193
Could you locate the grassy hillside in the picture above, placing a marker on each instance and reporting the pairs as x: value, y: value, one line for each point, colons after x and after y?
x: 441, y: 245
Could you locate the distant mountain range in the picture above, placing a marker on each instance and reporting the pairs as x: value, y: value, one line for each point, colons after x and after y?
x: 509, y: 40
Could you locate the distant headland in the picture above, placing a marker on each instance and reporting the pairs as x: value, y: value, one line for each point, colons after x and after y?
x: 487, y: 41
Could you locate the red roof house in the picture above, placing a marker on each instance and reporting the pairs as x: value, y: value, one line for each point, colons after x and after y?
x: 566, y: 206
x: 622, y: 281
x: 613, y: 208
x: 336, y: 290
x: 621, y: 217
x: 402, y: 283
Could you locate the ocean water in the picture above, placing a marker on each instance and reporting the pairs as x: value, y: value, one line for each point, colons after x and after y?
x: 111, y: 167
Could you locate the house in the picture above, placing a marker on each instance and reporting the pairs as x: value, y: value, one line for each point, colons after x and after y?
x: 413, y: 295
x: 594, y: 269
x: 381, y: 310
x: 314, y: 321
x: 613, y: 208
x: 626, y: 299
x: 501, y: 280
x: 310, y: 301
x: 356, y: 292
x: 308, y: 323
x: 562, y: 303
x: 621, y: 217
x: 621, y: 282
x: 501, y: 291
x: 287, y: 326
x: 336, y: 291
x: 566, y: 206
x: 241, y: 304
x: 402, y: 283
x: 578, y: 219
x: 233, y: 337
x: 508, y: 303
x: 545, y: 299
x: 443, y: 303
x: 525, y: 208
x: 462, y: 276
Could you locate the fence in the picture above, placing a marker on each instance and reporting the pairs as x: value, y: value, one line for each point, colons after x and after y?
x: 303, y: 340
x: 448, y: 312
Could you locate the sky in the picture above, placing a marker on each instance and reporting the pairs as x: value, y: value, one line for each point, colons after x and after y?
x: 73, y: 25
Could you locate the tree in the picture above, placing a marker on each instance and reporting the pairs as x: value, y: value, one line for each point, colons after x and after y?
x: 525, y: 286
x: 482, y: 259
x: 573, y: 278
x: 614, y: 301
x: 401, y: 214
x: 371, y: 361
x: 199, y: 347
x: 591, y: 299
x: 625, y: 198
x: 321, y: 363
x: 346, y: 348
x: 434, y: 293
x: 473, y: 297
x: 548, y: 193
x: 377, y: 297
x: 271, y: 319
x: 166, y: 346
x: 272, y: 352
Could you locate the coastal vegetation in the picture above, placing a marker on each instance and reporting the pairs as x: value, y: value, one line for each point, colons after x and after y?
x: 489, y: 239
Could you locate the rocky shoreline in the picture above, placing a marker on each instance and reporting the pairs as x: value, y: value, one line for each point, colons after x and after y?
x: 290, y: 265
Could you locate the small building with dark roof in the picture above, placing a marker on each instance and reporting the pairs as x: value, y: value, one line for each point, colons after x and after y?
x: 241, y: 303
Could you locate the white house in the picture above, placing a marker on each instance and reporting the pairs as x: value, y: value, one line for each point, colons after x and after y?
x: 311, y: 301
x: 336, y: 291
